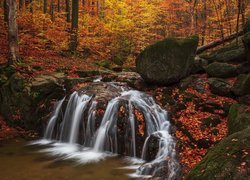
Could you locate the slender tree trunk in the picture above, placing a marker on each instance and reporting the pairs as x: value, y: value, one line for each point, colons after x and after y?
x: 12, y: 32
x: 58, y: 5
x: 52, y: 10
x: 238, y: 20
x: 204, y: 17
x: 31, y: 6
x: 67, y: 2
x: 228, y: 16
x: 74, y: 26
x: 219, y: 20
x: 6, y: 10
x: 45, y: 6
x: 21, y: 4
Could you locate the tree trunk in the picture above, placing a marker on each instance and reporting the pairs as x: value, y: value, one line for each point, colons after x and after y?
x: 67, y: 10
x: 204, y: 17
x: 74, y: 26
x: 238, y: 20
x: 21, y: 4
x: 6, y: 9
x: 12, y: 32
x: 31, y: 6
x: 52, y: 10
x: 45, y: 6
x: 58, y: 5
x: 218, y: 42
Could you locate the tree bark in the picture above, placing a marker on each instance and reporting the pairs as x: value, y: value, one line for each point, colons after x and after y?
x: 204, y: 17
x: 74, y: 26
x: 58, y: 5
x: 52, y: 10
x: 238, y: 20
x: 67, y: 2
x: 6, y: 11
x: 12, y: 32
x: 218, y: 42
x: 45, y: 6
x: 21, y: 4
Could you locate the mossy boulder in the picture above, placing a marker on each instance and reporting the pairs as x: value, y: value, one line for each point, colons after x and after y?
x: 227, y: 160
x: 242, y: 85
x: 26, y: 103
x: 167, y: 61
x: 229, y: 54
x: 221, y: 70
x: 238, y: 118
x: 246, y: 42
x: 220, y: 87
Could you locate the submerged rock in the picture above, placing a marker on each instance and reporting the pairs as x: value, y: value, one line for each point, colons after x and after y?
x: 167, y: 61
x: 230, y: 159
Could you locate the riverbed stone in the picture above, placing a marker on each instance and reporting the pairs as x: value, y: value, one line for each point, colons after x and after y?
x: 167, y: 61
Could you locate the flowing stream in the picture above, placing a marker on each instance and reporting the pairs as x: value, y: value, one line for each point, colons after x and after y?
x: 73, y: 133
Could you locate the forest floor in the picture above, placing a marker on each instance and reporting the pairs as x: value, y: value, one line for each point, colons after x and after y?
x: 44, y: 60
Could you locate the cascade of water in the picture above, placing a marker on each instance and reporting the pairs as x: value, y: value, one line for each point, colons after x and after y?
x: 50, y: 127
x: 105, y: 137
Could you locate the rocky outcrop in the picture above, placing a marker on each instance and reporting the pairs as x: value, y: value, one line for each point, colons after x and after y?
x: 228, y: 54
x: 26, y: 103
x: 167, y: 61
x: 242, y: 85
x: 221, y: 70
x: 220, y: 87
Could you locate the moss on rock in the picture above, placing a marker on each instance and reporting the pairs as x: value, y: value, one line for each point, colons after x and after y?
x: 162, y: 62
x: 227, y: 160
x: 238, y: 118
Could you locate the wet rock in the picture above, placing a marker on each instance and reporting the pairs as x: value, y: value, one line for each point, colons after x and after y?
x: 220, y: 87
x: 162, y: 62
x: 221, y: 70
x: 152, y: 148
x: 225, y: 159
x: 238, y: 118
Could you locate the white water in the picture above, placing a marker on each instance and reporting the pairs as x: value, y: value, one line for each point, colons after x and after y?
x: 101, y: 142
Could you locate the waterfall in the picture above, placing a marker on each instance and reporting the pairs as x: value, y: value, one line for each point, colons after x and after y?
x: 81, y: 135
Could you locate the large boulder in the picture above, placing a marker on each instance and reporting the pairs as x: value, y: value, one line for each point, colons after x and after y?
x: 242, y: 85
x: 167, y: 61
x: 238, y: 118
x: 221, y: 70
x: 230, y: 159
